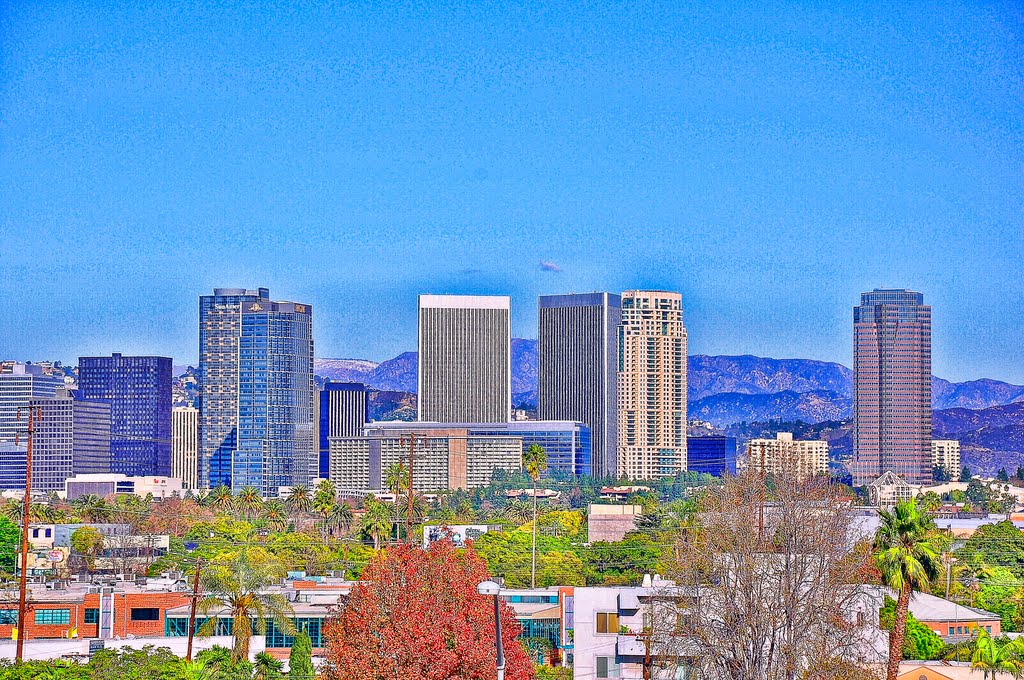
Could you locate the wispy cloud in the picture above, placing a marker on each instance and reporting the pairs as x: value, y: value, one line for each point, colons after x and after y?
x: 549, y: 267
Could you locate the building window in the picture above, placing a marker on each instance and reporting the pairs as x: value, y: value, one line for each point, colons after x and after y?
x: 92, y: 615
x: 8, y: 617
x: 607, y: 622
x: 951, y: 631
x: 53, y: 617
x: 145, y: 614
x: 606, y: 667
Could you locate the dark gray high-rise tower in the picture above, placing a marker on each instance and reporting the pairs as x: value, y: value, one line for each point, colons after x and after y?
x: 465, y: 363
x: 892, y: 386
x: 577, y: 344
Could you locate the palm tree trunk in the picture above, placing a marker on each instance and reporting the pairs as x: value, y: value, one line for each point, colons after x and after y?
x: 897, y: 634
x: 533, y: 563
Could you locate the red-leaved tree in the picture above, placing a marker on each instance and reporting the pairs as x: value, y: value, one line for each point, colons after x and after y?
x: 416, y: 614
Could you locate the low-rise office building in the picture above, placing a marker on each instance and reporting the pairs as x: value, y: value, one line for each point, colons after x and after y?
x: 103, y: 485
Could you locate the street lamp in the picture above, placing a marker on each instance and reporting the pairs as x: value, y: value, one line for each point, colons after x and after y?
x: 493, y: 589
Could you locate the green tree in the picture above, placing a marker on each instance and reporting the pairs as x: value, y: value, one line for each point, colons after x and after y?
x: 339, y: 518
x: 535, y: 462
x: 236, y: 585
x: 91, y: 508
x: 300, y: 659
x: 518, y: 512
x: 220, y: 498
x: 376, y: 521
x: 921, y: 642
x: 248, y: 501
x: 266, y: 667
x: 1002, y: 475
x: 396, y: 479
x: 10, y: 541
x: 276, y: 515
x: 906, y: 558
x: 992, y: 657
x: 298, y: 499
x: 87, y: 542
x: 965, y: 474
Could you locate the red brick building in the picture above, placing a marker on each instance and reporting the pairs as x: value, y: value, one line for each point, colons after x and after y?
x: 136, y: 611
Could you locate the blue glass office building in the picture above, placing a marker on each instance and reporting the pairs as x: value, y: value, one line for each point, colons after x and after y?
x: 138, y: 389
x: 256, y: 375
x: 713, y: 455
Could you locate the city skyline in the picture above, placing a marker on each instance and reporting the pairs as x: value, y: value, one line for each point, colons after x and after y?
x: 512, y: 152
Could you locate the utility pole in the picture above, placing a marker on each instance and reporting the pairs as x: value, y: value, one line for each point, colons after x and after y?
x: 411, y: 439
x: 760, y: 507
x: 33, y: 417
x: 645, y: 638
x: 192, y: 611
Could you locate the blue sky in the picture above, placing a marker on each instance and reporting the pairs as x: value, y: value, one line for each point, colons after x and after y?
x: 769, y: 163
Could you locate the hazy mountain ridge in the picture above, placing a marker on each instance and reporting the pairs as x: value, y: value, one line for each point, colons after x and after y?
x: 814, y: 397
x: 709, y: 376
x: 814, y: 406
x: 747, y: 374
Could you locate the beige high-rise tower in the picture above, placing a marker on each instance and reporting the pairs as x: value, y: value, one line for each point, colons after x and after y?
x: 652, y: 385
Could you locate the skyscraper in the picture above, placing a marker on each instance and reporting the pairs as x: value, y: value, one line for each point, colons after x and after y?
x: 577, y: 371
x: 138, y: 389
x: 185, y: 446
x: 892, y: 389
x: 71, y: 438
x: 465, y: 364
x: 342, y: 411
x: 21, y: 384
x: 652, y: 385
x: 256, y: 376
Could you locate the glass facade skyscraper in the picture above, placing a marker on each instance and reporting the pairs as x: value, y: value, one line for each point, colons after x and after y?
x: 22, y: 383
x: 256, y: 376
x: 138, y: 389
x: 892, y: 388
x: 71, y: 438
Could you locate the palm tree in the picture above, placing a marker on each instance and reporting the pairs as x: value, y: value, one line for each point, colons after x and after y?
x: 518, y: 511
x: 249, y: 501
x: 197, y: 669
x: 298, y: 499
x: 91, y: 508
x: 992, y: 658
x: 266, y: 667
x: 535, y: 461
x: 324, y: 501
x: 376, y: 521
x: 237, y: 586
x: 906, y: 557
x: 325, y: 496
x: 220, y: 498
x: 340, y: 517
x: 276, y: 515
x: 396, y: 479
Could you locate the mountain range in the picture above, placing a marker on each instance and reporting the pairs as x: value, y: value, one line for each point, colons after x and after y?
x: 730, y: 392
x: 722, y: 389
